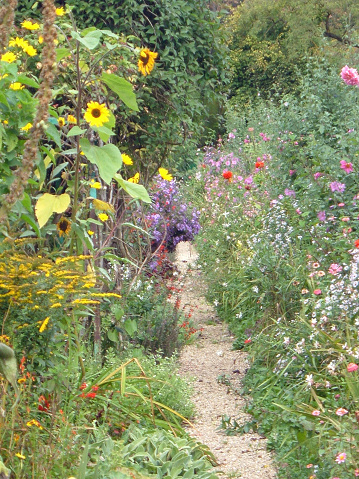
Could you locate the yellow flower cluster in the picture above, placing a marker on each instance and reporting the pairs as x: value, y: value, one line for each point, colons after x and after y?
x: 24, y: 45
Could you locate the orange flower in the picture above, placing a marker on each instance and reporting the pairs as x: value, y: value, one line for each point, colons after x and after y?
x: 357, y: 243
x: 259, y: 164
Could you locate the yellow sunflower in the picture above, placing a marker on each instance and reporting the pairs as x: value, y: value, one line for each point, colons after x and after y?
x: 102, y: 216
x: 8, y: 57
x: 96, y: 114
x: 146, y: 62
x: 26, y: 127
x: 63, y: 227
x: 29, y: 25
x: 16, y: 86
x: 61, y: 121
x: 165, y: 174
x: 134, y: 179
x: 30, y: 50
x: 127, y: 160
x: 71, y: 119
x: 60, y: 12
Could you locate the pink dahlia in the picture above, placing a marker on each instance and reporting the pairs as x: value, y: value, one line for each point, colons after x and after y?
x: 350, y: 76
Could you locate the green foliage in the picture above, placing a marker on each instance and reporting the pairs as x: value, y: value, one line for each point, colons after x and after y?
x: 175, y: 99
x: 270, y: 42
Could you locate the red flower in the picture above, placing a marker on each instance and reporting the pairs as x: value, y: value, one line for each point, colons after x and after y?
x: 94, y: 388
x: 91, y: 395
x: 83, y: 386
x: 247, y: 341
x: 44, y: 404
x: 259, y: 164
x: 228, y: 175
x: 357, y: 243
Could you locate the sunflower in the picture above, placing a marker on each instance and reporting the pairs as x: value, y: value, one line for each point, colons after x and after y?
x: 134, y: 179
x: 165, y: 174
x: 102, y: 216
x: 127, y: 160
x: 63, y: 226
x: 60, y: 12
x: 8, y: 57
x: 61, y: 121
x: 71, y: 119
x: 96, y: 114
x: 146, y: 62
x: 26, y: 127
x: 29, y: 25
x: 16, y: 86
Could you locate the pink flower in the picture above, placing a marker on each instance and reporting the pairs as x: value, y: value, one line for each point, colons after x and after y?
x: 335, y: 269
x: 341, y: 411
x: 341, y: 457
x: 317, y: 292
x: 350, y: 76
x: 321, y: 216
x: 346, y: 166
x: 352, y: 367
x: 318, y: 175
x: 316, y: 412
x: 337, y: 186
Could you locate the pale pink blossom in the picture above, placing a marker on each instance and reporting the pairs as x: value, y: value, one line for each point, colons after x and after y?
x: 341, y: 457
x: 341, y: 411
x: 317, y: 292
x: 316, y: 412
x: 350, y: 76
x: 352, y: 367
x: 335, y: 269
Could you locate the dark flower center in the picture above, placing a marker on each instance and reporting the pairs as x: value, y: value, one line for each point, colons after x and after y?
x: 145, y: 58
x: 96, y: 112
x: 63, y: 225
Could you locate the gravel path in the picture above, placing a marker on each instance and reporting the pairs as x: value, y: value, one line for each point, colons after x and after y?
x: 211, y: 362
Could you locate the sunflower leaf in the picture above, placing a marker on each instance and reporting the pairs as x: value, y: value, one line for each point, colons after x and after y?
x: 138, y: 192
x: 48, y: 204
x: 107, y: 158
x: 122, y: 87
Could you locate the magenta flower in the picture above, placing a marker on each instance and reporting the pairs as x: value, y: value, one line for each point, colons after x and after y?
x: 336, y: 186
x: 350, y: 76
x: 352, y: 367
x: 318, y: 175
x: 346, y: 166
x: 334, y: 269
x: 341, y: 457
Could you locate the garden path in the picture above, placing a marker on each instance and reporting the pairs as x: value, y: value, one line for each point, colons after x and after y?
x: 217, y: 371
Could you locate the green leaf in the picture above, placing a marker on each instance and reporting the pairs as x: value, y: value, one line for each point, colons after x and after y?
x: 90, y: 40
x: 130, y: 326
x: 75, y: 130
x: 3, y: 100
x: 122, y: 88
x: 48, y: 204
x: 32, y: 223
x: 138, y: 192
x: 104, y: 133
x: 53, y: 133
x: 107, y: 158
x: 62, y: 53
x: 27, y: 81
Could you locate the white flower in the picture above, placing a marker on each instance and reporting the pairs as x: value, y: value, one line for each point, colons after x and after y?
x: 309, y: 379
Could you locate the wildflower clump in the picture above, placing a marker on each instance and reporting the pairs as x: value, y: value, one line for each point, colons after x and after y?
x: 171, y: 219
